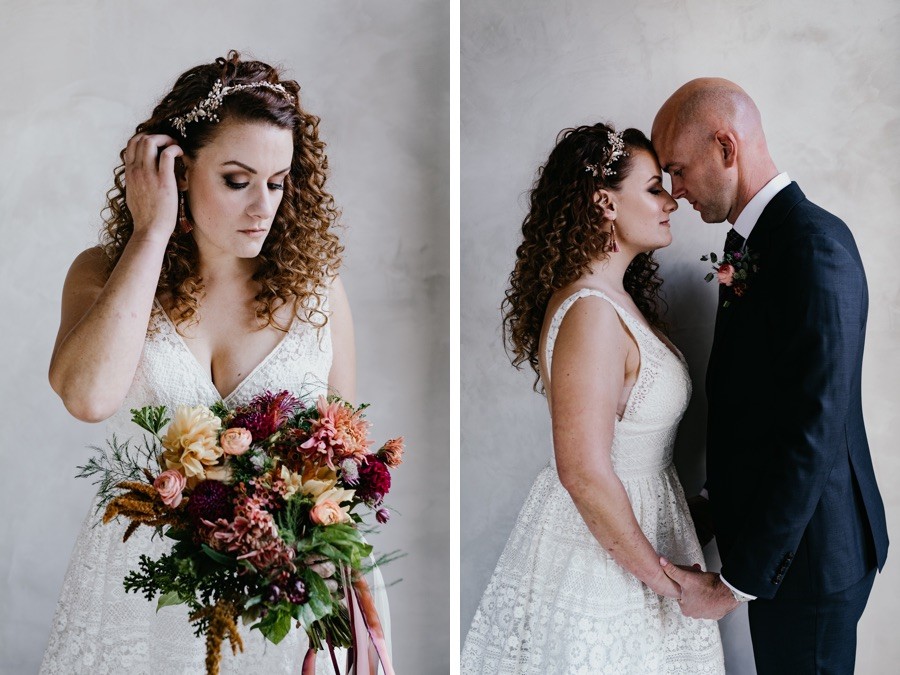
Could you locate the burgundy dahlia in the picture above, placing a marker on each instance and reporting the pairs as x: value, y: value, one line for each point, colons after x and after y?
x: 210, y: 500
x: 265, y: 413
x: 374, y: 482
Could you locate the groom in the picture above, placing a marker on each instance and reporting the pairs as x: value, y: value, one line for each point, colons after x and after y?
x: 798, y: 518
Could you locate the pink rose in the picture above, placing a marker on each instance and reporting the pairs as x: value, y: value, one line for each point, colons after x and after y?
x: 235, y: 441
x: 169, y: 484
x: 725, y: 274
x: 327, y: 512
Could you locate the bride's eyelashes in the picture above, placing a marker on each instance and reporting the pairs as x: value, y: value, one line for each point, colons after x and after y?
x: 235, y: 185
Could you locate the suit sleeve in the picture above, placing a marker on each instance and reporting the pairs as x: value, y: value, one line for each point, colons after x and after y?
x: 820, y: 318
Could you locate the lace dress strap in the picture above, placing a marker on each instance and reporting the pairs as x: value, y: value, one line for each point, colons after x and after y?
x: 556, y: 321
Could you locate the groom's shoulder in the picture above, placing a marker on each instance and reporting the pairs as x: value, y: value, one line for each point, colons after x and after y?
x: 808, y: 220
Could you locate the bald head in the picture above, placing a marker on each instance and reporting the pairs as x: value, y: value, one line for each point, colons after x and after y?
x: 709, y: 138
x: 706, y: 105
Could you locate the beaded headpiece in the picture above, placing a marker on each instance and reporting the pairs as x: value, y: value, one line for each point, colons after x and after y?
x: 206, y: 109
x: 617, y: 151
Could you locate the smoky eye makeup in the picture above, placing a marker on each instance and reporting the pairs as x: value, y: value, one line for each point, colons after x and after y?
x: 235, y: 183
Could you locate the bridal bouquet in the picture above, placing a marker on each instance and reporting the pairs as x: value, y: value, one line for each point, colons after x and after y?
x: 263, y: 503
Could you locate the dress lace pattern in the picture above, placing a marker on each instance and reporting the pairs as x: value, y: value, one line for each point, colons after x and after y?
x: 557, y: 602
x: 101, y: 630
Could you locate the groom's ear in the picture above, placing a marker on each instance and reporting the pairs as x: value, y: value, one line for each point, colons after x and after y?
x: 727, y: 143
x: 605, y: 205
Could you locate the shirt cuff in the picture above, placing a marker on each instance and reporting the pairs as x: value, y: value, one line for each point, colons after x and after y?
x: 704, y: 493
x: 741, y: 593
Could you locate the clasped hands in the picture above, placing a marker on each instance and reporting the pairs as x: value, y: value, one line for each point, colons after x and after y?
x: 703, y: 595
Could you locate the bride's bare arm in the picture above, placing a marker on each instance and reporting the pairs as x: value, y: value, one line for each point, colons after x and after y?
x: 104, y: 321
x: 342, y: 376
x: 588, y: 374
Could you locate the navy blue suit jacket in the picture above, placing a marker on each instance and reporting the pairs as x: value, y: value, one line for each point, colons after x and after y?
x: 795, y: 504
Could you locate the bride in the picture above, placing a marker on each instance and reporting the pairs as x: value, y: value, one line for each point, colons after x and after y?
x: 217, y: 280
x: 579, y: 587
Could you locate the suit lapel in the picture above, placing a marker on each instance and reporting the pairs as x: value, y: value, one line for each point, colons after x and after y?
x: 760, y: 241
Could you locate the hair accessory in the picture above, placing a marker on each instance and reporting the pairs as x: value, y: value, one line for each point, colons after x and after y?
x: 616, y: 152
x: 206, y: 109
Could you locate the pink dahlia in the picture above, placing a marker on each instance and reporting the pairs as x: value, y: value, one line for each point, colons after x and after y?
x: 253, y: 535
x: 339, y: 433
x: 391, y: 453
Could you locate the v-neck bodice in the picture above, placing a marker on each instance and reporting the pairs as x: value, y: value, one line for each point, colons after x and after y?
x: 169, y: 374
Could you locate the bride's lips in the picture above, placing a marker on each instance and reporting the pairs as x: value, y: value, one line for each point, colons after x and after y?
x: 665, y: 223
x: 253, y: 233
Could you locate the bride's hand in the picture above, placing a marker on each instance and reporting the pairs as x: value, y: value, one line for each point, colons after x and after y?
x: 665, y: 587
x: 151, y: 191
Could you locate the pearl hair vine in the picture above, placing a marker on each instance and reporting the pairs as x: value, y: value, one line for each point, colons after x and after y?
x: 206, y: 109
x: 617, y: 151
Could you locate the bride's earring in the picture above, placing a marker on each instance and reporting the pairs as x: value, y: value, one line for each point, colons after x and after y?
x: 184, y: 224
x: 614, y: 245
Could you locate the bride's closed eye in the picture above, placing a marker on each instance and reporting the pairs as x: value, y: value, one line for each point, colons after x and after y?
x: 234, y: 185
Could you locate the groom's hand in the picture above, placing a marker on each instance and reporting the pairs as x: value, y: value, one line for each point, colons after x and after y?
x: 703, y: 595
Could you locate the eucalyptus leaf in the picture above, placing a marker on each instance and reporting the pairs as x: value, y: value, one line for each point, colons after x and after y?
x: 714, y: 257
x: 709, y: 277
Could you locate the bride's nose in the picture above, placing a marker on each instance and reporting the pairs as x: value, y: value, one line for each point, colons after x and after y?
x: 264, y: 203
x: 671, y: 205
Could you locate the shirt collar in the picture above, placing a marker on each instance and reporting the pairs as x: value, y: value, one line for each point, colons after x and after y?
x: 751, y: 213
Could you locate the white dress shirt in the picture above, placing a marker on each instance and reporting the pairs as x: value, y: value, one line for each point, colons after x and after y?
x: 747, y: 220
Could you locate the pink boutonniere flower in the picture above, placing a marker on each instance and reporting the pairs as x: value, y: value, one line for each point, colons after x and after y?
x: 733, y: 271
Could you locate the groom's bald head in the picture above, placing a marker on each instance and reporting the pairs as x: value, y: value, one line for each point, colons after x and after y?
x: 709, y: 138
x: 705, y: 105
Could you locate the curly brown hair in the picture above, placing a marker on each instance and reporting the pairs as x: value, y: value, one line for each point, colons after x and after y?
x: 302, y: 251
x: 563, y: 234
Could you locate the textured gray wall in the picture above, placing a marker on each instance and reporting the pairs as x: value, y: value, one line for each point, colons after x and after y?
x: 825, y: 76
x: 76, y: 79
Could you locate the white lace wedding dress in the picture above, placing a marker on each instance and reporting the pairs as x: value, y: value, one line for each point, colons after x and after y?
x: 557, y: 602
x: 99, y: 629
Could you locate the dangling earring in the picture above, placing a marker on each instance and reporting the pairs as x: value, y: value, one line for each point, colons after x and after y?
x: 614, y: 245
x: 184, y: 224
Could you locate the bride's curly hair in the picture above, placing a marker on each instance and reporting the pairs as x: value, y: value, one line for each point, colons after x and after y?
x: 563, y: 234
x: 301, y: 252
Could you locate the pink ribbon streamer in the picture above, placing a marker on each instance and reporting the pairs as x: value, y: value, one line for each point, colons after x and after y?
x: 369, y: 646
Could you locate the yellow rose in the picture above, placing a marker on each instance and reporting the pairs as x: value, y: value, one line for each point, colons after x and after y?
x: 190, y: 441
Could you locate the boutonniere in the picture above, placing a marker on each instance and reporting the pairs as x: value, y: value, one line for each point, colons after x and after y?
x: 734, y: 272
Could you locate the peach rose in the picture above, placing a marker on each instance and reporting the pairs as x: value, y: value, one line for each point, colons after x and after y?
x: 328, y: 512
x: 725, y: 274
x: 235, y: 441
x: 169, y: 484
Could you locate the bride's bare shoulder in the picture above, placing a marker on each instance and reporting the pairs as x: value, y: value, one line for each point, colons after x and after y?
x: 90, y: 268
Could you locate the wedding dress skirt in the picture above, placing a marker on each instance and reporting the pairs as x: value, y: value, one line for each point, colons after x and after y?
x: 557, y: 602
x: 99, y: 629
